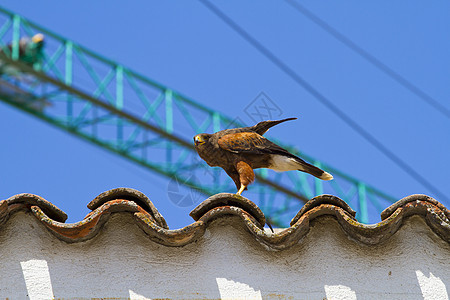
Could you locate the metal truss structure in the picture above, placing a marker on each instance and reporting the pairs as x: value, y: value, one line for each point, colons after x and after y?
x: 107, y: 104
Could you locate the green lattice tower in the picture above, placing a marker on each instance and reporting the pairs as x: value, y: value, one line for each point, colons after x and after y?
x: 107, y: 104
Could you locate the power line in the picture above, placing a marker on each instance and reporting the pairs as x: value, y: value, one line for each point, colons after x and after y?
x: 325, y: 101
x: 370, y: 58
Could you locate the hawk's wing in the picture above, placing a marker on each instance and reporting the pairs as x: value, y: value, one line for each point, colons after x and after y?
x: 250, y: 142
x: 253, y: 143
x: 263, y: 126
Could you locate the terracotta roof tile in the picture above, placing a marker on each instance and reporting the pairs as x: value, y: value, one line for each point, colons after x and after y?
x: 27, y: 200
x: 229, y: 200
x: 323, y: 199
x: 147, y: 217
x: 131, y: 195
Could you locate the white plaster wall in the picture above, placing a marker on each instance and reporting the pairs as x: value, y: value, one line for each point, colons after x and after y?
x: 121, y: 262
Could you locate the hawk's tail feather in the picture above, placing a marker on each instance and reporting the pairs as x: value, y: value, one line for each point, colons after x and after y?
x: 313, y: 170
x: 326, y: 176
x: 289, y: 162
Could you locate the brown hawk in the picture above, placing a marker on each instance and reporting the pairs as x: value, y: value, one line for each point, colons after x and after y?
x: 238, y: 151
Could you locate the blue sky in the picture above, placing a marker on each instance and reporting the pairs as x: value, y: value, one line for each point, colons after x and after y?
x: 181, y: 44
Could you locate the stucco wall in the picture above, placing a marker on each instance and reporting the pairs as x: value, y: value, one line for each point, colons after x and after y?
x: 121, y: 262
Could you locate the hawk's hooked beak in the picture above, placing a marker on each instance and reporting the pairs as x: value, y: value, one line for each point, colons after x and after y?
x: 198, y: 140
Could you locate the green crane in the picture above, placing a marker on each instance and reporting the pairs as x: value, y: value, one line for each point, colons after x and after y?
x: 109, y: 105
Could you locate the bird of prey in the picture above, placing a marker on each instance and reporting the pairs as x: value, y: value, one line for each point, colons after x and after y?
x: 238, y: 151
x: 30, y: 50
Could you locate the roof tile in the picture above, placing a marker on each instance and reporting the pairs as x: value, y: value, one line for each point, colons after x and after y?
x: 230, y: 200
x: 147, y: 217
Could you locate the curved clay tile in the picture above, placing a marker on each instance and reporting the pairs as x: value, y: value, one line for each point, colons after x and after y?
x: 131, y: 195
x: 227, y: 199
x: 224, y: 205
x: 323, y: 199
x: 27, y: 200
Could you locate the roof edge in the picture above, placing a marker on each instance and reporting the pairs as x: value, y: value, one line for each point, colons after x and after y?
x: 147, y: 217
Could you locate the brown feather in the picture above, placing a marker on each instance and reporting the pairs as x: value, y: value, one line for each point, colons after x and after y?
x: 250, y: 143
x: 263, y: 126
x: 246, y: 174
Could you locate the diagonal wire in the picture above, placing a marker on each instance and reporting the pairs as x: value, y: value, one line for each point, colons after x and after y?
x: 370, y: 58
x: 324, y: 100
